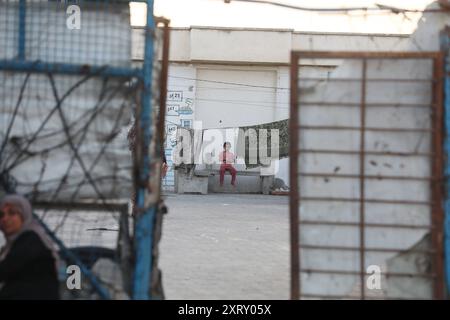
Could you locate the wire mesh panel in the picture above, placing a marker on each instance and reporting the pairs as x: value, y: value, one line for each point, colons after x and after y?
x: 70, y: 97
x: 366, y: 162
x: 77, y: 123
x: 92, y: 233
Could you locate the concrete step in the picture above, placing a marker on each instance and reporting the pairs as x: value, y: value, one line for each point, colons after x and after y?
x: 226, y: 188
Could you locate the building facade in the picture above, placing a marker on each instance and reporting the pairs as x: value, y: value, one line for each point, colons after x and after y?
x: 233, y: 77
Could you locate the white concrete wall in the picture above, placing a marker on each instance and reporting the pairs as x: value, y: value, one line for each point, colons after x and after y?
x: 347, y: 42
x: 221, y: 103
x: 263, y: 46
x: 240, y: 45
x: 180, y: 110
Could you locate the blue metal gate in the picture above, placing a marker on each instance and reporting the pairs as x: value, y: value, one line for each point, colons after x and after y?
x: 445, y: 46
x: 41, y: 40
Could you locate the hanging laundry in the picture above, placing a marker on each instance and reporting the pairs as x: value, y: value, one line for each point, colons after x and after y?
x: 259, y: 143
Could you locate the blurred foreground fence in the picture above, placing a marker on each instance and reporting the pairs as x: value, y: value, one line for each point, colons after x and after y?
x: 70, y: 95
x: 366, y: 177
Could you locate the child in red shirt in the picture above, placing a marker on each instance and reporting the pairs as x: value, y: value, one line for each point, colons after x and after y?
x: 227, y: 159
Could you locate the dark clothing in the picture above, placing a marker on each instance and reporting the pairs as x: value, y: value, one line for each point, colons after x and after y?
x: 28, y: 272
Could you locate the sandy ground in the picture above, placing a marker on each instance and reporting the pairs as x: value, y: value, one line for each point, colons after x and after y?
x: 225, y: 246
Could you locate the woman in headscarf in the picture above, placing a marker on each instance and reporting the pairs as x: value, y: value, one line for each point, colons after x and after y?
x: 28, y: 261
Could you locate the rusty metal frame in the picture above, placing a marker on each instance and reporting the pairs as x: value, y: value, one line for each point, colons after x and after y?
x: 435, y: 156
x: 161, y: 116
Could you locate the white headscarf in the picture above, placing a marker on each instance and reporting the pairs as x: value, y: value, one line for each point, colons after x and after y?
x: 29, y: 224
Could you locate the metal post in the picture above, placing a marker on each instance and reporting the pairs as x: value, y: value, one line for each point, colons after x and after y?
x: 22, y: 16
x: 362, y: 169
x: 293, y: 180
x: 438, y: 212
x: 146, y: 216
x: 445, y: 46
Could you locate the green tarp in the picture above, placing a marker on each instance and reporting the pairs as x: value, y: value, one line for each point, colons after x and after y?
x: 255, y: 143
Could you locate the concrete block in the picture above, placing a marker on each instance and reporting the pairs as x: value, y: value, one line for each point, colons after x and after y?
x: 244, y: 184
x: 266, y: 184
x: 188, y: 184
